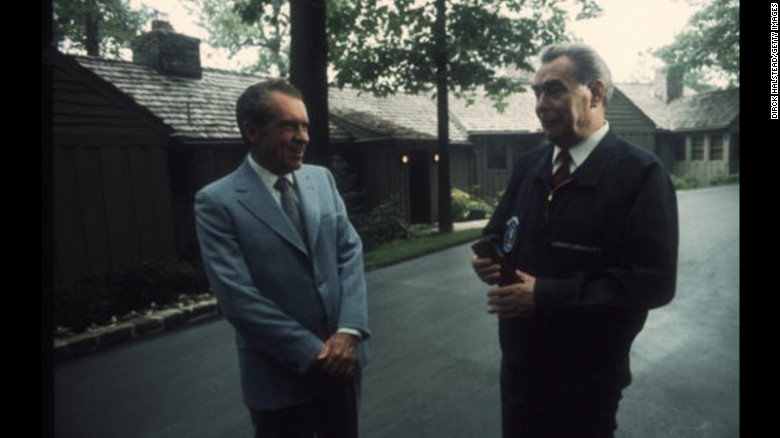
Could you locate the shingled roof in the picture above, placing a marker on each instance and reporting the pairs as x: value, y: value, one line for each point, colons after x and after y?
x: 481, y: 116
x: 194, y: 108
x: 642, y: 96
x: 205, y: 108
x: 712, y: 110
x: 717, y: 109
x: 398, y: 116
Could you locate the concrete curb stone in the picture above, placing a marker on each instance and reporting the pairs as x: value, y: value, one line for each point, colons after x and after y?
x: 114, y: 334
x: 136, y: 328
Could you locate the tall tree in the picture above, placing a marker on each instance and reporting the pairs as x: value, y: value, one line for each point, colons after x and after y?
x: 100, y: 27
x: 309, y: 71
x: 443, y: 116
x: 709, y: 44
x: 384, y: 47
x: 240, y: 24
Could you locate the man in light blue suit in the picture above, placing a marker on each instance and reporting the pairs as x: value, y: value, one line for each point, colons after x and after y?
x: 286, y: 267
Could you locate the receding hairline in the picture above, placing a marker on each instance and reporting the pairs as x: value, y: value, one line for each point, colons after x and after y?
x: 587, y: 64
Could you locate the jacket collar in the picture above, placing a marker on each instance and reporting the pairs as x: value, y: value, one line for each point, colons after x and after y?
x: 254, y: 196
x: 590, y: 171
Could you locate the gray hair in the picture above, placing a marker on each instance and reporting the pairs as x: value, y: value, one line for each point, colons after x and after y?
x: 588, y: 65
x: 254, y: 104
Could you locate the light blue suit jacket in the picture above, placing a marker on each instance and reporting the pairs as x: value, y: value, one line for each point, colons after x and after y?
x: 283, y: 297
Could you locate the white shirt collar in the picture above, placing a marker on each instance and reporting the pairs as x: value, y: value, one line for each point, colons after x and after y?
x: 580, y: 151
x: 268, y: 177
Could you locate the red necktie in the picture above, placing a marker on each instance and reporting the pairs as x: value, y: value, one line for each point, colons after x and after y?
x: 563, y: 172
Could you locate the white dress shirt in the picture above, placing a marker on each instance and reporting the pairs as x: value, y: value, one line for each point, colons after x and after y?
x: 269, y: 179
x: 580, y: 151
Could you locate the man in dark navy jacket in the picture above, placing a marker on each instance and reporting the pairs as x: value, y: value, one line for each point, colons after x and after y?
x: 588, y: 234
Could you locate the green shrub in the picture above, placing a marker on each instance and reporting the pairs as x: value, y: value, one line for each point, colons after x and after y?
x: 686, y: 182
x: 383, y: 223
x: 162, y: 281
x: 90, y: 300
x: 97, y: 299
x: 469, y: 207
x: 347, y: 182
x: 725, y: 179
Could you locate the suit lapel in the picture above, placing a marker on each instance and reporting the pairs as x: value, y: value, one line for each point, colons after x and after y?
x: 254, y: 196
x: 310, y: 207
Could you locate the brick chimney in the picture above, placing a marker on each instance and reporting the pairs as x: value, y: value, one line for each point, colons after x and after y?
x: 168, y: 52
x: 668, y: 83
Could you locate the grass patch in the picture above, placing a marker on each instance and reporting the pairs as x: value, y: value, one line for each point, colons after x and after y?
x: 686, y: 182
x: 397, y: 251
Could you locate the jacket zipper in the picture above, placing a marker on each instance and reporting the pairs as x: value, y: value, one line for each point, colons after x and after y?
x: 552, y: 192
x: 550, y: 198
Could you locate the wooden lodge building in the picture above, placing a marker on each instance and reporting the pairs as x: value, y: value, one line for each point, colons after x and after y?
x: 133, y: 141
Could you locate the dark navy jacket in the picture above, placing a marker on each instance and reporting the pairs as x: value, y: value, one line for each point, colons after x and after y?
x: 603, y: 248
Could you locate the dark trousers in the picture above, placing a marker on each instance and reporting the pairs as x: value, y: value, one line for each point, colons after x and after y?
x: 560, y: 402
x: 333, y: 414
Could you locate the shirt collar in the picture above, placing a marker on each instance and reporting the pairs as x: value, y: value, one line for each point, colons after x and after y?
x: 580, y: 151
x: 269, y: 178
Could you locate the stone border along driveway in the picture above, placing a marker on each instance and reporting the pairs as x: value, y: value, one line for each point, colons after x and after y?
x: 154, y: 322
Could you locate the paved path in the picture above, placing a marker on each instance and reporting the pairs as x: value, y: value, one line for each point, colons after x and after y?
x: 435, y: 356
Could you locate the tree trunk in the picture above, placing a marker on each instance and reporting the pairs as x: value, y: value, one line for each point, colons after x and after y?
x: 309, y: 72
x: 440, y: 40
x: 92, y: 37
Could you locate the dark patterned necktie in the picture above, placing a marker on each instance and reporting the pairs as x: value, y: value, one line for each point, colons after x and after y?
x: 564, y: 171
x: 290, y: 204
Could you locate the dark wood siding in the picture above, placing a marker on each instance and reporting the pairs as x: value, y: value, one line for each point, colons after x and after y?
x: 382, y: 174
x: 112, y: 202
x: 630, y: 123
x: 703, y: 168
x: 492, y: 182
x: 463, y: 167
x: 192, y: 167
x: 670, y: 147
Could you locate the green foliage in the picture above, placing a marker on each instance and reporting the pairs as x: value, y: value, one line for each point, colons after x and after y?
x: 384, y: 47
x: 346, y: 181
x: 98, y: 299
x: 467, y: 207
x: 162, y: 281
x: 710, y: 42
x: 700, y: 81
x: 685, y: 182
x: 383, y: 223
x: 397, y: 251
x: 725, y: 179
x: 114, y: 22
x: 240, y: 24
